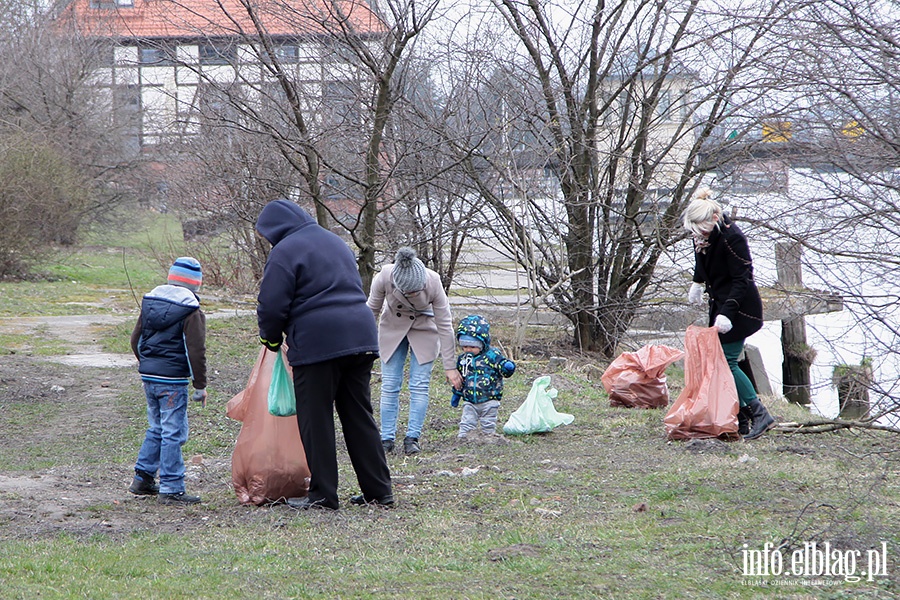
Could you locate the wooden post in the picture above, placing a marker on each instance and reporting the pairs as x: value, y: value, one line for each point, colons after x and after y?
x: 798, y: 356
x: 853, y: 383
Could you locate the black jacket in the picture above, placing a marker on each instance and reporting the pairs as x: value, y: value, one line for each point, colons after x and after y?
x: 311, y: 290
x: 726, y: 268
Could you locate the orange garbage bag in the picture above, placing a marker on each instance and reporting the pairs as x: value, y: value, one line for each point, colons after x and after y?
x: 268, y: 463
x: 638, y: 379
x: 707, y: 407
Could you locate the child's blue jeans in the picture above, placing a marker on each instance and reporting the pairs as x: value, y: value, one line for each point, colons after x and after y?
x: 166, y: 434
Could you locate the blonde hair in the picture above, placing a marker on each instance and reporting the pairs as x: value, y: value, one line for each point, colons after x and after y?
x: 700, y: 210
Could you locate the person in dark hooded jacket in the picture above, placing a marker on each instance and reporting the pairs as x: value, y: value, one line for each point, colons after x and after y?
x: 169, y: 341
x: 311, y: 299
x: 724, y: 269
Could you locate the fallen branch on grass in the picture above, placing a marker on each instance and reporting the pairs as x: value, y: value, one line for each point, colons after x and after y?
x: 826, y: 425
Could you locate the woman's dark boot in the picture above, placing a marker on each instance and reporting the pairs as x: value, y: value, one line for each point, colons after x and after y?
x: 762, y: 421
x: 744, y: 420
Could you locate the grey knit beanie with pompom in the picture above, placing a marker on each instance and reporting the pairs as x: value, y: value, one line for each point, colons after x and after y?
x: 409, y: 272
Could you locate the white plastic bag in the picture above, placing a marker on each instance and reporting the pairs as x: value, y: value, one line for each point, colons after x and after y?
x: 537, y: 414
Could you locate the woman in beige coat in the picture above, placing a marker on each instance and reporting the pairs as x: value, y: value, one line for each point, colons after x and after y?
x: 414, y: 318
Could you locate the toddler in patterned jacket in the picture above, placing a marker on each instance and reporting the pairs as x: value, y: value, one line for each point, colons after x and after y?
x: 483, y: 369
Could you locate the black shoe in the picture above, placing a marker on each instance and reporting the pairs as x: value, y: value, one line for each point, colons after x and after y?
x: 179, y: 498
x: 143, y: 484
x: 411, y: 445
x: 305, y: 503
x: 744, y: 417
x: 361, y: 500
x: 762, y: 421
x: 388, y: 446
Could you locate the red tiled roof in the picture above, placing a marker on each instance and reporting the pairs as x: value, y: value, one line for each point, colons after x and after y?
x: 149, y: 19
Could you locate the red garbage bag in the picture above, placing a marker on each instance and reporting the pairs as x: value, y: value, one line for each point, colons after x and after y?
x: 268, y: 463
x: 638, y: 379
x: 707, y: 407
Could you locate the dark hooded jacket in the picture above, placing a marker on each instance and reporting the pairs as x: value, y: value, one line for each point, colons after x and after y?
x: 311, y: 291
x: 482, y: 373
x: 169, y: 338
x: 726, y: 268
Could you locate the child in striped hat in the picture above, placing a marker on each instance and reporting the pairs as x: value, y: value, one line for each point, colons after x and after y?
x: 169, y: 341
x: 186, y: 272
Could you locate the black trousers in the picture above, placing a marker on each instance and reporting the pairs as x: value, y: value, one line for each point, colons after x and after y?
x: 344, y: 384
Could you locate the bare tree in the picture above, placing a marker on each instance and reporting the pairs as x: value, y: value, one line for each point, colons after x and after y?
x: 837, y: 64
x: 57, y: 147
x: 614, y: 106
x: 330, y: 128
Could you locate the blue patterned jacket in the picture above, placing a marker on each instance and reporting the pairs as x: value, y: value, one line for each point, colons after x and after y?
x: 482, y: 373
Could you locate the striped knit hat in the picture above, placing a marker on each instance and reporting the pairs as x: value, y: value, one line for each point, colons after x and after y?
x: 186, y: 272
x: 409, y: 272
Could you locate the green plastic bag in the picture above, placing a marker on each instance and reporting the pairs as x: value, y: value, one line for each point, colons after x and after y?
x: 282, y: 402
x: 537, y: 414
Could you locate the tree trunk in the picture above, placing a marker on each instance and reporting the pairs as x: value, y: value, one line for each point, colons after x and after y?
x: 797, y: 355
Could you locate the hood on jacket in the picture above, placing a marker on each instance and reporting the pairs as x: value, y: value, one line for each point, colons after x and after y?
x: 166, y: 305
x: 477, y: 327
x: 280, y: 218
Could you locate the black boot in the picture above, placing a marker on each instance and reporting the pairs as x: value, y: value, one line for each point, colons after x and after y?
x: 744, y: 417
x: 762, y: 420
x: 143, y: 484
x: 179, y: 498
x: 411, y: 445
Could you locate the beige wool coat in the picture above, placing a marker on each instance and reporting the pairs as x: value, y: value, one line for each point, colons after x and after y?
x: 424, y: 319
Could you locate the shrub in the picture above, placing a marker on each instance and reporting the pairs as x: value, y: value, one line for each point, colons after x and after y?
x: 42, y: 199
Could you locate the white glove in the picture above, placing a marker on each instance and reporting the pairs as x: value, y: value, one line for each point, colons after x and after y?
x: 695, y: 293
x: 722, y: 323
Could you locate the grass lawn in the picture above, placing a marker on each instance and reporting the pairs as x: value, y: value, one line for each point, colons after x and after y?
x: 603, y: 508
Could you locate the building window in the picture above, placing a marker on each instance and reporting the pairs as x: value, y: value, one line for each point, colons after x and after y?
x: 342, y: 103
x: 105, y: 54
x: 282, y: 53
x: 287, y: 53
x: 218, y: 114
x: 218, y: 53
x: 156, y: 55
x: 664, y: 105
x: 128, y: 117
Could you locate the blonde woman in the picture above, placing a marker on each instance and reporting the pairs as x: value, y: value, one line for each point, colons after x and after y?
x: 723, y: 268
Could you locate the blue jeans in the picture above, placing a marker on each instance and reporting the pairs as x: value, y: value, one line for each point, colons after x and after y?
x: 166, y: 434
x: 392, y: 379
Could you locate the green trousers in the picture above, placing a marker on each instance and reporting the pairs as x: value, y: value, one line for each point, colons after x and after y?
x: 745, y: 389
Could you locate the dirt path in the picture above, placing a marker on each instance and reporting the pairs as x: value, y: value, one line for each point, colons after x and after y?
x: 78, y: 333
x: 89, y: 382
